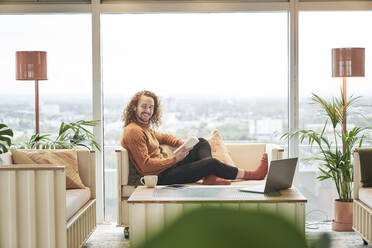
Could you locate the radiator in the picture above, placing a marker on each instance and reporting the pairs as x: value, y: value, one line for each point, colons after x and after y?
x: 32, y: 206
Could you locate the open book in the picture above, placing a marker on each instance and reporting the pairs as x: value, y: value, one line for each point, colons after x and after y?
x: 189, y: 143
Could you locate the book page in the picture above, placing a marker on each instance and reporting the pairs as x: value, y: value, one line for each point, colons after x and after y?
x: 189, y: 143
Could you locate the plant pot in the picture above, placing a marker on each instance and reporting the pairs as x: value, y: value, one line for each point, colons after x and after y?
x: 343, y: 221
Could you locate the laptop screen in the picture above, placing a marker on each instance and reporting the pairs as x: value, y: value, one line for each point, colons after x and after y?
x: 281, y: 174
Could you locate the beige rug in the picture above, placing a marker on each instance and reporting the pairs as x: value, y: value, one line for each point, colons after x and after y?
x: 112, y: 236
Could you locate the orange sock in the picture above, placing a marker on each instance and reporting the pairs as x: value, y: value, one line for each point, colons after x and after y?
x: 261, y: 171
x: 213, y: 180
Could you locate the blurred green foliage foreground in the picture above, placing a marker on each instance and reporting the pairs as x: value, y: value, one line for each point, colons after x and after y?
x: 223, y: 227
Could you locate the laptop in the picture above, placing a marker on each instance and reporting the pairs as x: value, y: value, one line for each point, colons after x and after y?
x: 280, y: 176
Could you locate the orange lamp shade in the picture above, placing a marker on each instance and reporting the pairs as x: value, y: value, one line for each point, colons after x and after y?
x: 348, y: 62
x: 31, y: 65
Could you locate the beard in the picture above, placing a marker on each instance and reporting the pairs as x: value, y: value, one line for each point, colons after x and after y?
x: 146, y: 120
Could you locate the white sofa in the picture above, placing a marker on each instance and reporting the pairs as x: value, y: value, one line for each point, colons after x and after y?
x: 245, y: 155
x: 36, y: 210
x: 362, y: 204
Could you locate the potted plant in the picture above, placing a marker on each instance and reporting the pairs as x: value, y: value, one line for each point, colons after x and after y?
x: 335, y: 153
x: 70, y: 135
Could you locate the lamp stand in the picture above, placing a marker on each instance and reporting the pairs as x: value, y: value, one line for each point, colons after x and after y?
x: 344, y: 111
x: 37, y: 106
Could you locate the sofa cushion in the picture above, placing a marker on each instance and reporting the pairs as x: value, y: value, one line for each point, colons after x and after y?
x: 365, y: 157
x: 246, y: 155
x: 75, y: 199
x: 65, y: 157
x: 218, y: 148
x: 87, y: 173
x: 365, y: 195
x: 133, y: 177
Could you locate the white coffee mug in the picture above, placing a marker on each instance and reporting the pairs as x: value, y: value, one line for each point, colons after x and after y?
x: 149, y: 181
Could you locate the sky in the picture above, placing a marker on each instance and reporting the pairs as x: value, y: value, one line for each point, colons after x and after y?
x: 206, y: 54
x: 67, y: 40
x: 221, y: 54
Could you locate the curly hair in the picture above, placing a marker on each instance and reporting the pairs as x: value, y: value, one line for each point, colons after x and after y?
x: 129, y: 113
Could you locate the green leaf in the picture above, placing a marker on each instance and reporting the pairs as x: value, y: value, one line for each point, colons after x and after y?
x: 3, y: 148
x: 5, y: 138
x: 6, y: 132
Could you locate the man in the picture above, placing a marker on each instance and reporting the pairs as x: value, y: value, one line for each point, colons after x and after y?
x: 142, y: 114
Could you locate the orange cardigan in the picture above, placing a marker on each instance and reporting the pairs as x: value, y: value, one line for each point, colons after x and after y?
x: 142, y: 144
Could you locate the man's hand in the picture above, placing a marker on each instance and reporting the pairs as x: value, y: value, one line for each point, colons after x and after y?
x: 180, y: 155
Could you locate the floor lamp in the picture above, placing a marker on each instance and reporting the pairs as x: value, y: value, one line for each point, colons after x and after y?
x: 347, y: 62
x: 32, y: 65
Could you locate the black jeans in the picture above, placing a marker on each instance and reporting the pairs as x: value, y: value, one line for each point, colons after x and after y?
x: 196, y: 165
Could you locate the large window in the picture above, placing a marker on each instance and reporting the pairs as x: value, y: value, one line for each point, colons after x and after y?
x: 319, y: 32
x: 66, y: 95
x: 212, y: 70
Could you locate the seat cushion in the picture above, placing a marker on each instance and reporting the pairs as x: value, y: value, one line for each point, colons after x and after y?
x: 75, y: 199
x: 365, y: 195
